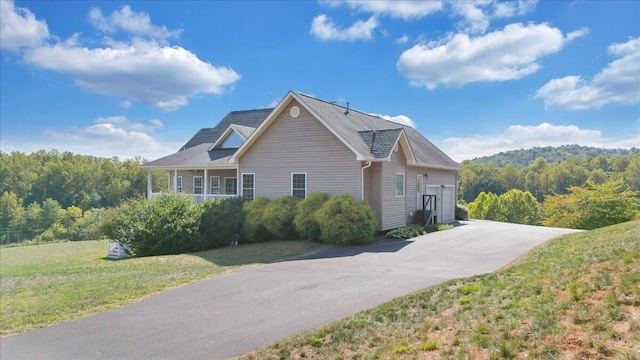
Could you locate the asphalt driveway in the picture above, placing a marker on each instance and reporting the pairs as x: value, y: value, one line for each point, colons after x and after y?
x: 237, y: 312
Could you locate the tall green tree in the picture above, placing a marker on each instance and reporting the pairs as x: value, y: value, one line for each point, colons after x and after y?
x: 520, y: 207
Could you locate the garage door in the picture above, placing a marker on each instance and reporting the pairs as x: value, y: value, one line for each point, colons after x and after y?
x: 447, y: 204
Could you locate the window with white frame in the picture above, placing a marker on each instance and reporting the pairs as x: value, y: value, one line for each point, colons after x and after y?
x: 299, y: 185
x: 248, y: 187
x: 215, y: 185
x: 230, y: 186
x: 399, y: 185
x: 179, y: 184
x: 197, y: 184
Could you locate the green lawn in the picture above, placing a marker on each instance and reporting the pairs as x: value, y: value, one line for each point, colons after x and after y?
x: 577, y: 296
x: 41, y: 285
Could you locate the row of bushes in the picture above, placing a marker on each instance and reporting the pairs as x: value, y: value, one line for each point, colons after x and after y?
x: 174, y: 224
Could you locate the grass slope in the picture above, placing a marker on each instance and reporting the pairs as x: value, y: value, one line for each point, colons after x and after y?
x: 51, y: 283
x: 577, y: 296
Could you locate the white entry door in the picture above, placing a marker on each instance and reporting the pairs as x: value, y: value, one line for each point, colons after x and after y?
x: 435, y: 190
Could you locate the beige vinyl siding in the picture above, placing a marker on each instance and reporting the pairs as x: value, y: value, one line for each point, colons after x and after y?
x: 394, y: 208
x: 302, y: 144
x: 187, y: 179
x: 372, y: 190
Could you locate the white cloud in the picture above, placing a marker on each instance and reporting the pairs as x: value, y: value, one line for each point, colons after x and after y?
x: 406, y: 10
x: 160, y: 76
x: 508, y: 54
x: 19, y: 27
x: 619, y: 82
x: 274, y: 103
x: 400, y: 119
x: 513, y: 8
x: 125, y: 19
x: 524, y: 137
x: 108, y: 137
x: 403, y: 39
x: 324, y: 28
x: 475, y: 20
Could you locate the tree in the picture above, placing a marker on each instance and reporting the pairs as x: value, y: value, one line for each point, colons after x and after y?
x: 11, y: 210
x: 591, y: 206
x: 520, y: 207
x: 486, y: 207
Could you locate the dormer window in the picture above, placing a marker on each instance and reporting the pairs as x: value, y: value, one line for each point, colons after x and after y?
x: 232, y: 141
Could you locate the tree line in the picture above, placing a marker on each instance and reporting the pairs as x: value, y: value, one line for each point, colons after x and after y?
x: 542, y: 178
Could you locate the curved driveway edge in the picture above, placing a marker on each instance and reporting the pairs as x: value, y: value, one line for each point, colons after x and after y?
x: 237, y: 312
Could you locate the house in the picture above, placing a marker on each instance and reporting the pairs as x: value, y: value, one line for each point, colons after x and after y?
x: 306, y: 145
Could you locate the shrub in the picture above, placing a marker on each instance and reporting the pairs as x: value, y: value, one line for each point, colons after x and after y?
x: 406, y: 232
x: 343, y: 220
x: 278, y: 218
x: 305, y: 220
x: 437, y: 227
x: 220, y: 222
x: 253, y: 229
x: 164, y: 225
x: 462, y: 212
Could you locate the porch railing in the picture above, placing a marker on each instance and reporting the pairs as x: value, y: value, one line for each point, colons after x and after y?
x: 199, y: 197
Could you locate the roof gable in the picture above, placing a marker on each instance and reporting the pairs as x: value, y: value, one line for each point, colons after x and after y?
x: 355, y: 129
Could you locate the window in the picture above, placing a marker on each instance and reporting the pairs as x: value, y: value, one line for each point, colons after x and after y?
x: 299, y: 185
x: 399, y: 185
x: 230, y: 186
x: 179, y: 184
x: 197, y: 184
x: 248, y: 187
x: 215, y: 185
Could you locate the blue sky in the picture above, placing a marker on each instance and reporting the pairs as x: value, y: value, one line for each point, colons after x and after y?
x: 139, y: 78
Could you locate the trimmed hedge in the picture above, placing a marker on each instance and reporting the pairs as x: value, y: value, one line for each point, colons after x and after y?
x: 278, y: 218
x: 253, y: 229
x: 462, y: 212
x: 345, y: 221
x: 221, y: 222
x: 305, y: 220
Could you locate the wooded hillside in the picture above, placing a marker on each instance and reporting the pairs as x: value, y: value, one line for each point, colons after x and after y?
x: 548, y: 176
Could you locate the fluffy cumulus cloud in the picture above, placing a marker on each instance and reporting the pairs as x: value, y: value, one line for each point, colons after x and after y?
x: 127, y: 20
x: 407, y: 10
x: 507, y: 54
x: 19, y: 27
x: 111, y: 136
x: 619, y: 82
x: 524, y: 137
x: 143, y: 68
x: 324, y: 28
x: 400, y: 119
x: 160, y: 76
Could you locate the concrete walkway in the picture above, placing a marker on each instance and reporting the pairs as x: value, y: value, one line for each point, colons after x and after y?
x: 232, y: 314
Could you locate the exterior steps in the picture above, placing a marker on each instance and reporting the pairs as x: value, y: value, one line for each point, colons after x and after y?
x: 117, y: 251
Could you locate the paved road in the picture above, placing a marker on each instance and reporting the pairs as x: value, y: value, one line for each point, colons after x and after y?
x: 240, y: 311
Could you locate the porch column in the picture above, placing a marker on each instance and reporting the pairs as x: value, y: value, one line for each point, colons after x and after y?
x: 175, y: 180
x: 204, y: 183
x: 149, y: 184
x: 168, y: 181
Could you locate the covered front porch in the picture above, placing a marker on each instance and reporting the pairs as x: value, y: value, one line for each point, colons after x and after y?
x: 200, y: 183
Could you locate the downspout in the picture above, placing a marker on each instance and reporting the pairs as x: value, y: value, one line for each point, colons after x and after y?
x: 362, y: 179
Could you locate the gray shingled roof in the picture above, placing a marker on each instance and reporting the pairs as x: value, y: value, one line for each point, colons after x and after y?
x: 348, y: 126
x: 380, y: 142
x: 196, y: 156
x: 249, y: 118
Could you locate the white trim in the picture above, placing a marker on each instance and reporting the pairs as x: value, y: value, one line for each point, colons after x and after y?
x: 305, y: 183
x: 211, y: 184
x: 193, y: 190
x: 404, y: 185
x: 241, y: 185
x: 225, y: 185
